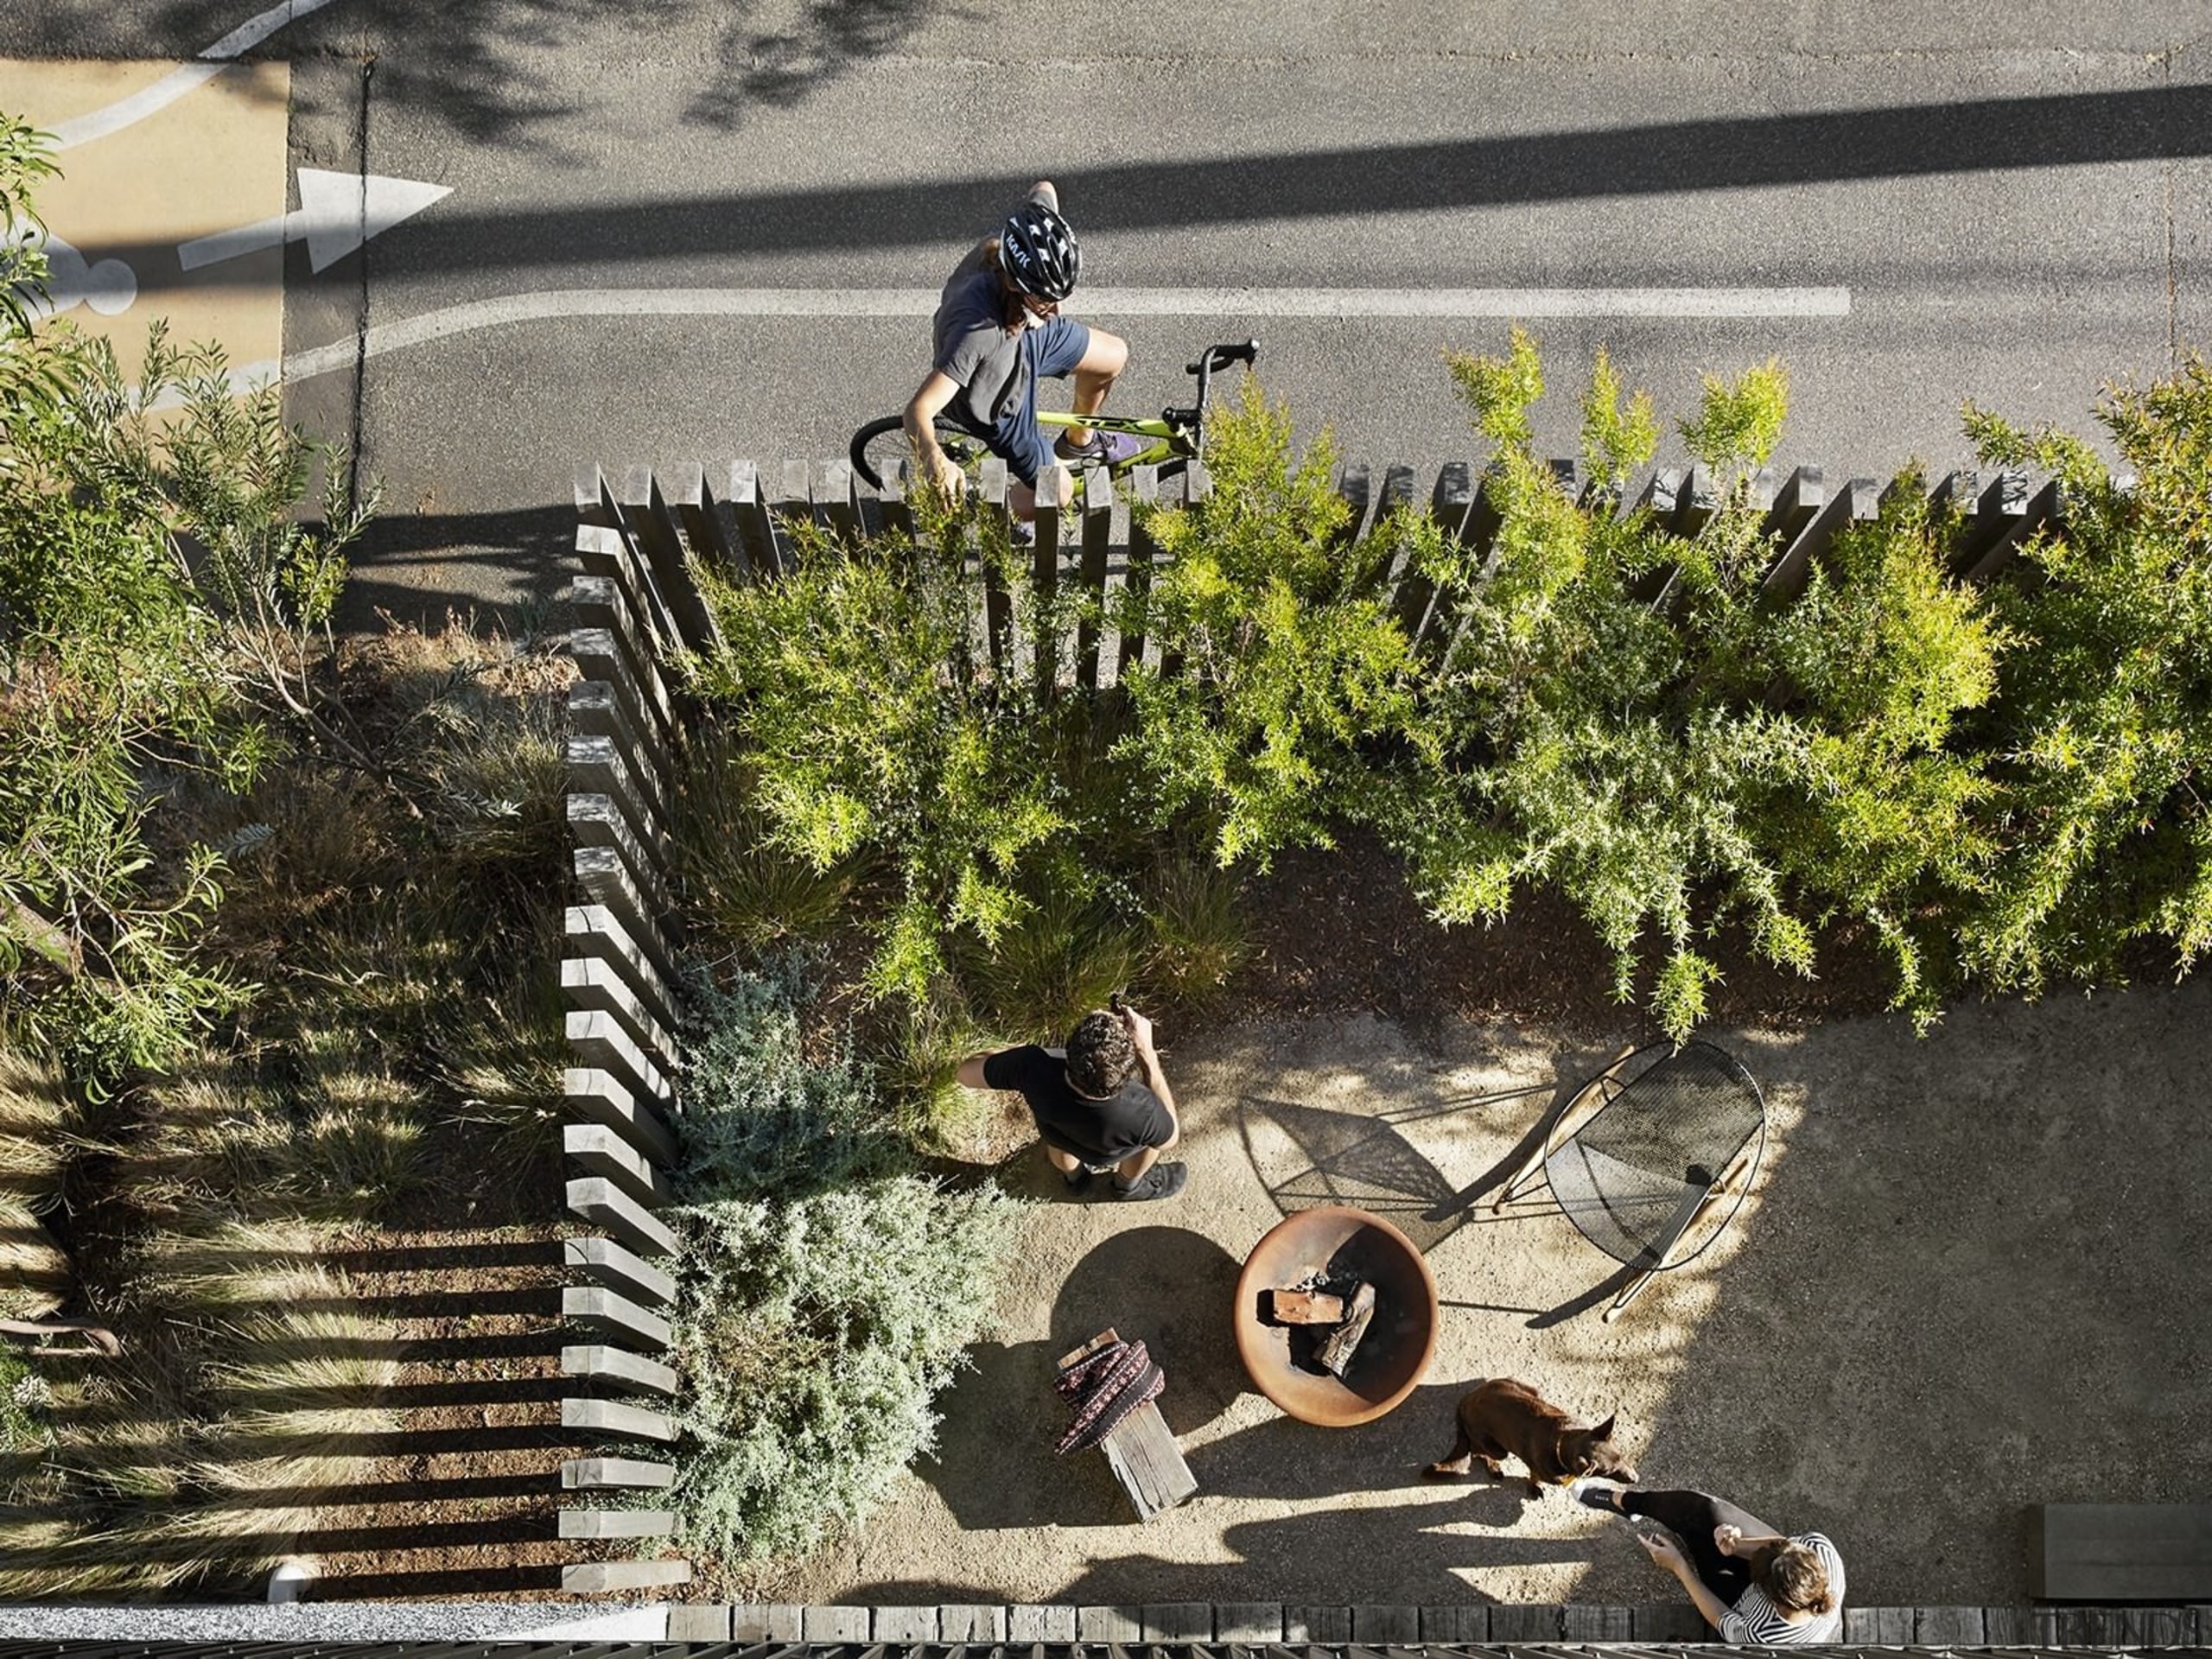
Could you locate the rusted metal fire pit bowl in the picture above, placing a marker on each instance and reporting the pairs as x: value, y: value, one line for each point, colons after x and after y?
x: 1337, y: 1242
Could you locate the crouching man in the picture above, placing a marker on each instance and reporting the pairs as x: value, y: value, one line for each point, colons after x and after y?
x: 1102, y: 1104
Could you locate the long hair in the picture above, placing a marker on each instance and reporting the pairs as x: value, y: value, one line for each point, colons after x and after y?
x: 1011, y: 309
x: 1793, y: 1577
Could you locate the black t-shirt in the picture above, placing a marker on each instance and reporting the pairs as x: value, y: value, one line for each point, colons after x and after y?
x: 1097, y: 1131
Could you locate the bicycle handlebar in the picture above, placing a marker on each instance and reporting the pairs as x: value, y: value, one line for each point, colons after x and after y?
x: 1220, y: 357
x: 1216, y: 357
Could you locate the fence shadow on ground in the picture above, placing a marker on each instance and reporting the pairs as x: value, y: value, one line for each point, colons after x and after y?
x: 444, y: 1482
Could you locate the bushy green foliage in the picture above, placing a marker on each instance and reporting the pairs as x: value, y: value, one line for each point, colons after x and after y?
x: 1625, y: 718
x: 826, y: 1289
x: 872, y: 732
x: 1880, y: 812
x: 1287, y: 661
x: 158, y: 594
x: 2100, y: 736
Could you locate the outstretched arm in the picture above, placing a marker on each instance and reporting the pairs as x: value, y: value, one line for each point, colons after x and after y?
x: 922, y: 411
x: 1140, y: 1030
x: 970, y: 1074
x: 1668, y: 1555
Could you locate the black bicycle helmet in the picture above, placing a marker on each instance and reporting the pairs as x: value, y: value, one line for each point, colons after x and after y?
x: 1038, y: 253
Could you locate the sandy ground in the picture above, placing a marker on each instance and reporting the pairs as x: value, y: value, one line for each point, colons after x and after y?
x: 1969, y: 1281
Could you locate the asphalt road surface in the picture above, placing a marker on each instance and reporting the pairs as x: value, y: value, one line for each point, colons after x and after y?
x: 678, y: 232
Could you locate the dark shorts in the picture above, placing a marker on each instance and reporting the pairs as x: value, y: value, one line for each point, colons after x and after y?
x: 1054, y: 350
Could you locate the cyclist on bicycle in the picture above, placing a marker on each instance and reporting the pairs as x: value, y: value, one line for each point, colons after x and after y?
x: 998, y: 330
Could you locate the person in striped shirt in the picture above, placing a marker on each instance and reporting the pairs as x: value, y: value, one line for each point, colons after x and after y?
x: 1751, y: 1583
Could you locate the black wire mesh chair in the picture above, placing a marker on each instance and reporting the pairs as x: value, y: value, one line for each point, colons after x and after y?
x: 1674, y: 1133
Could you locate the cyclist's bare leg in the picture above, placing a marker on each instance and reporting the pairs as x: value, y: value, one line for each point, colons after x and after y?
x: 1102, y: 364
x: 1021, y: 500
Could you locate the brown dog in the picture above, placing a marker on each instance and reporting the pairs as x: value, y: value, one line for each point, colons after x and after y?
x: 1505, y: 1418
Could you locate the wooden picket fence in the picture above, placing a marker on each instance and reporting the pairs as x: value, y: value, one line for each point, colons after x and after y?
x: 635, y: 602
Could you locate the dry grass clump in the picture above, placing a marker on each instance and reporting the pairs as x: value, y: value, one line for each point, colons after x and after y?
x: 252, y: 1395
x: 402, y: 933
x: 37, y: 1124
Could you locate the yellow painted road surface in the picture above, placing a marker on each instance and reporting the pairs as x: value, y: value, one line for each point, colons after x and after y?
x: 213, y: 161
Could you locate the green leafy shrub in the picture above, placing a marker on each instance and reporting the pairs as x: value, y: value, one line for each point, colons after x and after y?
x: 1627, y: 717
x: 741, y: 886
x: 1289, y: 664
x: 871, y: 733
x: 826, y: 1291
x: 2100, y: 736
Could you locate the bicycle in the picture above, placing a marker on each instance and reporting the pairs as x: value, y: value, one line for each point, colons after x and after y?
x: 1177, y: 436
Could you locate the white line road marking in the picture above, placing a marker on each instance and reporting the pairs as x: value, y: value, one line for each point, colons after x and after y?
x: 338, y: 211
x: 1254, y: 303
x: 113, y: 118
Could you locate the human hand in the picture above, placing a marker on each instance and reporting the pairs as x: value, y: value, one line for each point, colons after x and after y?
x: 945, y: 474
x: 1725, y: 1538
x: 1139, y: 1028
x: 1663, y: 1548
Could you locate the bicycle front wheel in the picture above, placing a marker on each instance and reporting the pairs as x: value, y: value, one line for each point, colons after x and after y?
x: 879, y: 446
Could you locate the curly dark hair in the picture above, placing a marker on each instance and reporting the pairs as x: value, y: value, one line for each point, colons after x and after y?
x: 1100, y: 1055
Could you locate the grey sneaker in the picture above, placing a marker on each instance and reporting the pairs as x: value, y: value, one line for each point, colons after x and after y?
x: 1101, y: 449
x: 1160, y: 1181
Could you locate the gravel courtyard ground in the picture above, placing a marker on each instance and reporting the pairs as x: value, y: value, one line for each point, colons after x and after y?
x: 1969, y: 1280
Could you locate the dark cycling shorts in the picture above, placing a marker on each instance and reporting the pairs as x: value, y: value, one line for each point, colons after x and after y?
x: 1053, y: 351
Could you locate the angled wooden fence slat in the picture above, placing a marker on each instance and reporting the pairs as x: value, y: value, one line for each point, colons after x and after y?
x: 1188, y: 490
x: 607, y: 1206
x: 1097, y: 537
x: 594, y: 930
x: 834, y: 499
x: 709, y: 527
x: 2003, y: 502
x: 597, y: 608
x: 653, y: 521
x: 612, y: 549
x: 593, y: 985
x: 609, y: 1264
x: 595, y: 824
x: 1426, y: 616
x: 605, y: 1312
x: 1700, y: 500
x: 997, y: 603
x: 756, y: 531
x: 599, y: 1040
x: 618, y: 1368
x: 1356, y: 486
x: 614, y: 1419
x: 602, y: 879
x: 595, y: 1095
x: 1144, y: 554
x: 1797, y: 504
x: 2046, y: 506
x: 1855, y: 501
x: 617, y: 1523
x: 1377, y: 575
x: 792, y: 507
x: 595, y: 710
x: 601, y: 1152
x: 1045, y: 580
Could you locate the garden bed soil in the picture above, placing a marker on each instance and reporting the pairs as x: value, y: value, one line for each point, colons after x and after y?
x: 1966, y: 1283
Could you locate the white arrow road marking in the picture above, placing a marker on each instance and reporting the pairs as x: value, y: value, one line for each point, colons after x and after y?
x: 113, y: 118
x: 1249, y: 303
x: 337, y: 213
